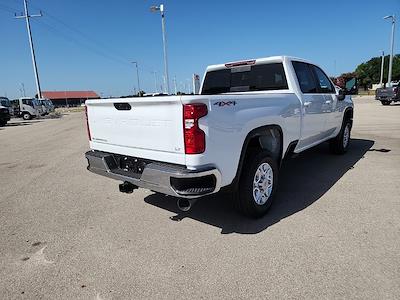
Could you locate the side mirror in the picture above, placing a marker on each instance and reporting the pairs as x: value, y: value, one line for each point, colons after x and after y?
x: 342, y: 95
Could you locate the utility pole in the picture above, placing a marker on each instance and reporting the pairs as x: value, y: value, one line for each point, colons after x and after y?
x: 27, y: 16
x: 161, y: 9
x: 23, y: 89
x: 176, y: 90
x: 155, y: 81
x: 334, y: 64
x: 188, y: 86
x: 383, y: 62
x: 391, y: 48
x: 137, y: 76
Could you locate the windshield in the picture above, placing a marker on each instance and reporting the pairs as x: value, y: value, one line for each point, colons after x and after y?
x: 247, y: 78
x: 5, y: 102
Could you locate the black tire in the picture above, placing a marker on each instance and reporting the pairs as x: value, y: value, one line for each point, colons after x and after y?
x: 26, y: 116
x: 3, y: 123
x: 245, y: 202
x: 385, y: 103
x: 340, y: 144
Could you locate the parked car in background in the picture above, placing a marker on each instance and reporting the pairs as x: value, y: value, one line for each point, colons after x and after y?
x: 49, y: 105
x: 5, y: 102
x: 43, y: 107
x: 249, y: 116
x: 388, y: 94
x: 4, y: 115
x: 27, y: 108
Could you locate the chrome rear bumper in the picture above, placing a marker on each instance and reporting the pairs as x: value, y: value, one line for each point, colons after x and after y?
x: 159, y: 177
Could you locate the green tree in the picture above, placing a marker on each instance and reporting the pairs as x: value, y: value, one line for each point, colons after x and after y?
x: 370, y: 72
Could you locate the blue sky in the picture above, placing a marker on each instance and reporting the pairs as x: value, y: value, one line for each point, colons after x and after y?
x: 87, y: 45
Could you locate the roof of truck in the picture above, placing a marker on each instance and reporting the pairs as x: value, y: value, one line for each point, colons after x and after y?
x: 255, y: 61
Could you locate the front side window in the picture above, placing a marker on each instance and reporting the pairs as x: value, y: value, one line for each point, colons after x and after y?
x: 323, y: 81
x: 263, y: 77
x: 305, y: 77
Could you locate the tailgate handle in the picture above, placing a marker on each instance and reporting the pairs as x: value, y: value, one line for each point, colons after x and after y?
x: 122, y: 106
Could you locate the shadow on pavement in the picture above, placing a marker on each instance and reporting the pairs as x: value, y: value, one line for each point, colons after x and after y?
x: 55, y: 115
x: 22, y: 123
x: 303, y: 180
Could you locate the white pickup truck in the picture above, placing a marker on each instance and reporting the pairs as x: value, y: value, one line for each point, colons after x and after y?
x: 249, y: 116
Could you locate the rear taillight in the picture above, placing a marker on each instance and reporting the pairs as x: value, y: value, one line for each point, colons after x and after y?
x: 87, y: 124
x: 195, y: 138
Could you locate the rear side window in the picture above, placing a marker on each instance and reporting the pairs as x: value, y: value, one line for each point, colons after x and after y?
x: 305, y: 77
x: 262, y: 77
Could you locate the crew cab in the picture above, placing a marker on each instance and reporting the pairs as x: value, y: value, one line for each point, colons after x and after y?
x: 388, y: 94
x: 249, y: 116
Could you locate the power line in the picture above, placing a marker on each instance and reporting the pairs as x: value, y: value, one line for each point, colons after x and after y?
x: 73, y: 35
x: 77, y: 42
x: 89, y: 38
x: 7, y: 8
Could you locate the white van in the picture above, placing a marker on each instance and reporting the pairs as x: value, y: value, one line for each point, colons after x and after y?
x: 27, y: 108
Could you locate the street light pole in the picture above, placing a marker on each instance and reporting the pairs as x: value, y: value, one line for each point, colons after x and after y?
x: 161, y: 9
x: 137, y: 76
x: 391, y: 48
x: 28, y: 28
x: 383, y: 62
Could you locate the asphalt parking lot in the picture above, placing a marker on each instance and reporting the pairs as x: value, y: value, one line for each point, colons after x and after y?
x: 333, y: 232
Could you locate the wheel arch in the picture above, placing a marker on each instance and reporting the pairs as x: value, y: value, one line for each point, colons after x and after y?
x: 348, y: 114
x: 265, y: 138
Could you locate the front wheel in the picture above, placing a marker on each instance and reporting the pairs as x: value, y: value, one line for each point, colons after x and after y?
x: 26, y: 116
x: 340, y: 144
x: 257, y: 185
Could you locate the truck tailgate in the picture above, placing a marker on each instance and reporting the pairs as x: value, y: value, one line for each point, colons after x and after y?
x: 147, y: 127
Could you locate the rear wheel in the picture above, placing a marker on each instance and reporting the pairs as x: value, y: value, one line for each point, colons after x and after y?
x: 385, y: 102
x: 26, y: 116
x: 340, y: 144
x: 3, y: 123
x: 257, y: 185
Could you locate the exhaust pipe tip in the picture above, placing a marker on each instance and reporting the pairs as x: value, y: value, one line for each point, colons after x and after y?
x: 127, y: 187
x: 184, y: 204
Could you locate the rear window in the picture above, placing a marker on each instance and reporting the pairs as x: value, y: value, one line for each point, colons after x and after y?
x: 263, y: 77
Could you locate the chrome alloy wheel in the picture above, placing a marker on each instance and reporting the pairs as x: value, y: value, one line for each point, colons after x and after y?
x: 263, y: 183
x: 346, y: 135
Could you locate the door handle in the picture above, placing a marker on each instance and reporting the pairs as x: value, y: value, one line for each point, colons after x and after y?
x: 307, y: 103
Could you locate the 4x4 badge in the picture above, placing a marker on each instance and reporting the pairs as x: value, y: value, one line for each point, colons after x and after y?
x: 225, y: 103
